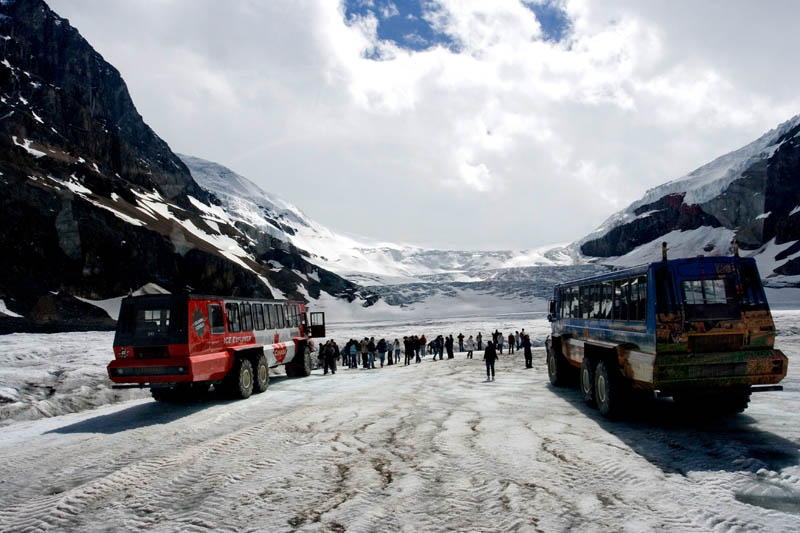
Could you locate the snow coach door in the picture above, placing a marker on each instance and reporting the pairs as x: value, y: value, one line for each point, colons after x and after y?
x: 317, y: 324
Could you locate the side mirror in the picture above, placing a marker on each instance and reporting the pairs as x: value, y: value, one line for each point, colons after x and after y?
x: 552, y: 307
x: 550, y: 318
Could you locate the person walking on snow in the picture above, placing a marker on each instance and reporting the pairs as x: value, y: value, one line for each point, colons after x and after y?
x: 389, y: 351
x: 354, y: 353
x: 518, y: 340
x: 511, y: 343
x: 470, y: 347
x: 490, y: 356
x: 500, y: 342
x: 422, y: 342
x: 479, y: 338
x: 460, y: 342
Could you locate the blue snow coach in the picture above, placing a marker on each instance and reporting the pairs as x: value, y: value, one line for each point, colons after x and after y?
x: 698, y: 329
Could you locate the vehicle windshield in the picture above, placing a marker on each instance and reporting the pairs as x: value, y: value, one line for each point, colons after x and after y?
x: 706, y: 299
x: 150, y: 320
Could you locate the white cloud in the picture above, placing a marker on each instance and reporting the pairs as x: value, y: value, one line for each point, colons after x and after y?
x: 512, y: 141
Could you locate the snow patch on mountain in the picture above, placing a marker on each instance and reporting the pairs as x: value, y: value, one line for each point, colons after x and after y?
x: 356, y: 258
x: 706, y: 182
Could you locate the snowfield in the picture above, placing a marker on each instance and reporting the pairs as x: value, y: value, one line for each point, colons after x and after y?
x: 429, y: 447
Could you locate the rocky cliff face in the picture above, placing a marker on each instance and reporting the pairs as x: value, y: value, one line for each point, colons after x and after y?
x: 94, y: 203
x: 753, y: 192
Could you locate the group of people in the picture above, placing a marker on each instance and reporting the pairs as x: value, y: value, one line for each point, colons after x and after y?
x: 365, y: 352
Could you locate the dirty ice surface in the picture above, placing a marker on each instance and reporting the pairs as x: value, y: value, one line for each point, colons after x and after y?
x: 429, y: 447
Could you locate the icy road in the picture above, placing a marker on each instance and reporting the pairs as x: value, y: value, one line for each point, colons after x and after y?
x: 430, y: 447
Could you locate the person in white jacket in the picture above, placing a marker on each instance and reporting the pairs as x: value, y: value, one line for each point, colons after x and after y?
x: 390, y: 350
x: 470, y: 345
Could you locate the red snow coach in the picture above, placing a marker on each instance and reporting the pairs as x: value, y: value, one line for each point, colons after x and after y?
x: 179, y: 344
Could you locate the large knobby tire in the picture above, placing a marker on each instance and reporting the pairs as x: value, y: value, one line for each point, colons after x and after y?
x: 557, y: 367
x: 261, y: 374
x: 587, y: 381
x: 301, y: 365
x: 607, y: 390
x: 240, y: 377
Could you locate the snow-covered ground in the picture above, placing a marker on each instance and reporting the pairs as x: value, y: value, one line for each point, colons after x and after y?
x: 429, y: 447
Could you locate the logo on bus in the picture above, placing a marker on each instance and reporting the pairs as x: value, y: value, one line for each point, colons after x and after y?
x: 232, y: 340
x: 280, y: 352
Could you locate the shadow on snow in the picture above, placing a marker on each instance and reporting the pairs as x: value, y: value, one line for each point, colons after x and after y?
x: 151, y: 413
x: 677, y: 442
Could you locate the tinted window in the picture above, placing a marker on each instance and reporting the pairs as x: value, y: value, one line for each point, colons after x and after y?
x: 273, y: 317
x: 606, y: 300
x: 233, y: 317
x: 247, y: 316
x: 641, y: 312
x: 664, y: 291
x: 751, y: 283
x: 258, y: 316
x: 709, y: 299
x: 215, y: 317
x: 281, y: 317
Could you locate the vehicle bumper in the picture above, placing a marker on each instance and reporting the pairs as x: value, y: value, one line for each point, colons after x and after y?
x: 719, y: 370
x: 171, y: 369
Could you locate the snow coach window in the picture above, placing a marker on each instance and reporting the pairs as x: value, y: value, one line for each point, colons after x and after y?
x: 709, y: 298
x: 154, y: 321
x: 607, y: 299
x: 281, y: 317
x: 217, y: 323
x: 273, y: 316
x: 296, y: 311
x: 258, y: 316
x: 233, y: 317
x: 247, y: 316
x: 753, y: 291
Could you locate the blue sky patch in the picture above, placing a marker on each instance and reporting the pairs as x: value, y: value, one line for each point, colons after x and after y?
x: 552, y: 17
x: 407, y: 22
x: 401, y: 21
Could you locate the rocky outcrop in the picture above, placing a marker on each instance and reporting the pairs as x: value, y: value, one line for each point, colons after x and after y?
x: 754, y: 191
x: 94, y: 203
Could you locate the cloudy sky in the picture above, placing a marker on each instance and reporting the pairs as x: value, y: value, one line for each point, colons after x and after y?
x: 453, y: 123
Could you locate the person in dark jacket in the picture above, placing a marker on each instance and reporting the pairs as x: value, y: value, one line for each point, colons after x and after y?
x: 479, y: 340
x: 449, y: 344
x: 330, y: 357
x: 526, y: 345
x: 490, y: 356
x: 407, y: 349
x: 460, y: 342
x: 371, y: 352
x: 382, y: 350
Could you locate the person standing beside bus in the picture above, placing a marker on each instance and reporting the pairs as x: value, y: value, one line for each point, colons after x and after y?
x: 490, y: 356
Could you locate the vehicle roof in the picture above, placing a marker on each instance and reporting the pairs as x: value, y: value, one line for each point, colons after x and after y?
x: 641, y: 269
x: 213, y: 297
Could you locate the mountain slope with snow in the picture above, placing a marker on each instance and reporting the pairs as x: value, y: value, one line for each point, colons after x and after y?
x: 357, y: 259
x: 751, y: 194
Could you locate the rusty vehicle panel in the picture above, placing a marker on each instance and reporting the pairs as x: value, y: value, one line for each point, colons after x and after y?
x: 697, y: 329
